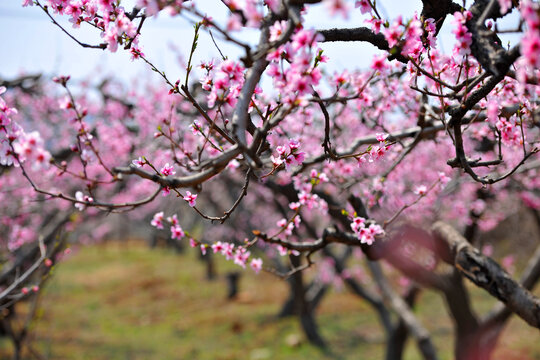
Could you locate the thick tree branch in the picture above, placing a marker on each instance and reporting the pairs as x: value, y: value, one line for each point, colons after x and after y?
x: 486, y: 273
x: 362, y: 34
x: 486, y: 46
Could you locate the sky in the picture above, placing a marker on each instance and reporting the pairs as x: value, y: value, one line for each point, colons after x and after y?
x: 38, y: 46
x: 32, y: 44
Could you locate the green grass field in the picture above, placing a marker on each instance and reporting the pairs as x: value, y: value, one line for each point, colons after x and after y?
x: 124, y: 301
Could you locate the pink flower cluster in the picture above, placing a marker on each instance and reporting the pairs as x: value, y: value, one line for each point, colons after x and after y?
x: 505, y: 5
x: 167, y: 170
x: 375, y: 152
x: 19, y: 236
x: 302, y: 56
x: 530, y: 43
x: 224, y: 82
x: 338, y: 7
x: 239, y: 254
x: 366, y: 234
x: 176, y: 230
x: 364, y: 5
x: 250, y: 10
x: 406, y: 35
x: 81, y: 197
x: 509, y: 131
x: 463, y: 36
x: 157, y: 220
x: 289, y: 157
x: 103, y: 14
x: 16, y: 143
x: 190, y: 198
x: 288, y: 226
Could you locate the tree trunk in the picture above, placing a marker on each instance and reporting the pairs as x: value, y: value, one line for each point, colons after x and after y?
x: 303, y: 308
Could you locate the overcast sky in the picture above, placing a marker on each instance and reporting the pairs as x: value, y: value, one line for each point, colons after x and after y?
x: 32, y: 44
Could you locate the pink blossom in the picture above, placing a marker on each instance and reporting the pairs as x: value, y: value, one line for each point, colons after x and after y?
x: 234, y: 22
x: 276, y: 161
x: 228, y: 251
x: 381, y: 137
x: 177, y: 232
x: 463, y: 36
x: 136, y: 53
x: 361, y: 160
x: 530, y: 48
x: 508, y: 263
x: 366, y: 235
x: 196, y: 127
x: 157, y: 220
x: 165, y: 191
x: 190, y: 198
x: 256, y: 265
x: 357, y: 224
x: 294, y: 206
x: 173, y: 220
x: 241, y: 257
x: 281, y: 150
x: 375, y: 24
x: 487, y: 250
x: 294, y: 144
x: 420, y: 190
x: 393, y: 33
x: 167, y: 170
x: 443, y: 178
x: 298, y: 158
x: 505, y: 5
x: 277, y: 29
x: 304, y: 38
x: 379, y: 63
x: 364, y: 6
x: 138, y: 162
x: 217, y: 247
x: 338, y: 6
x: 377, y: 152
x: 81, y: 197
x: 87, y: 156
x: 273, y: 4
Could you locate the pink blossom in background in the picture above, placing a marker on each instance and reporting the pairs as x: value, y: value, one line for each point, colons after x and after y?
x: 256, y: 265
x: 157, y: 220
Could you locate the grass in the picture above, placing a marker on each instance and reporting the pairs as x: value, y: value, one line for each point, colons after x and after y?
x: 123, y: 301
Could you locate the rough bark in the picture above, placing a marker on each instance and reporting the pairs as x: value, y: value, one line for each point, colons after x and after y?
x: 486, y: 273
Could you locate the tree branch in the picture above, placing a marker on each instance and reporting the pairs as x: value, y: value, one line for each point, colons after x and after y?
x: 486, y: 273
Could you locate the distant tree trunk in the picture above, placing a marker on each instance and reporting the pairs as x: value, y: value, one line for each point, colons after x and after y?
x: 314, y: 293
x: 399, y: 334
x: 177, y: 245
x: 288, y: 307
x: 232, y: 278
x: 210, y: 266
x: 303, y: 308
x: 17, y: 339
